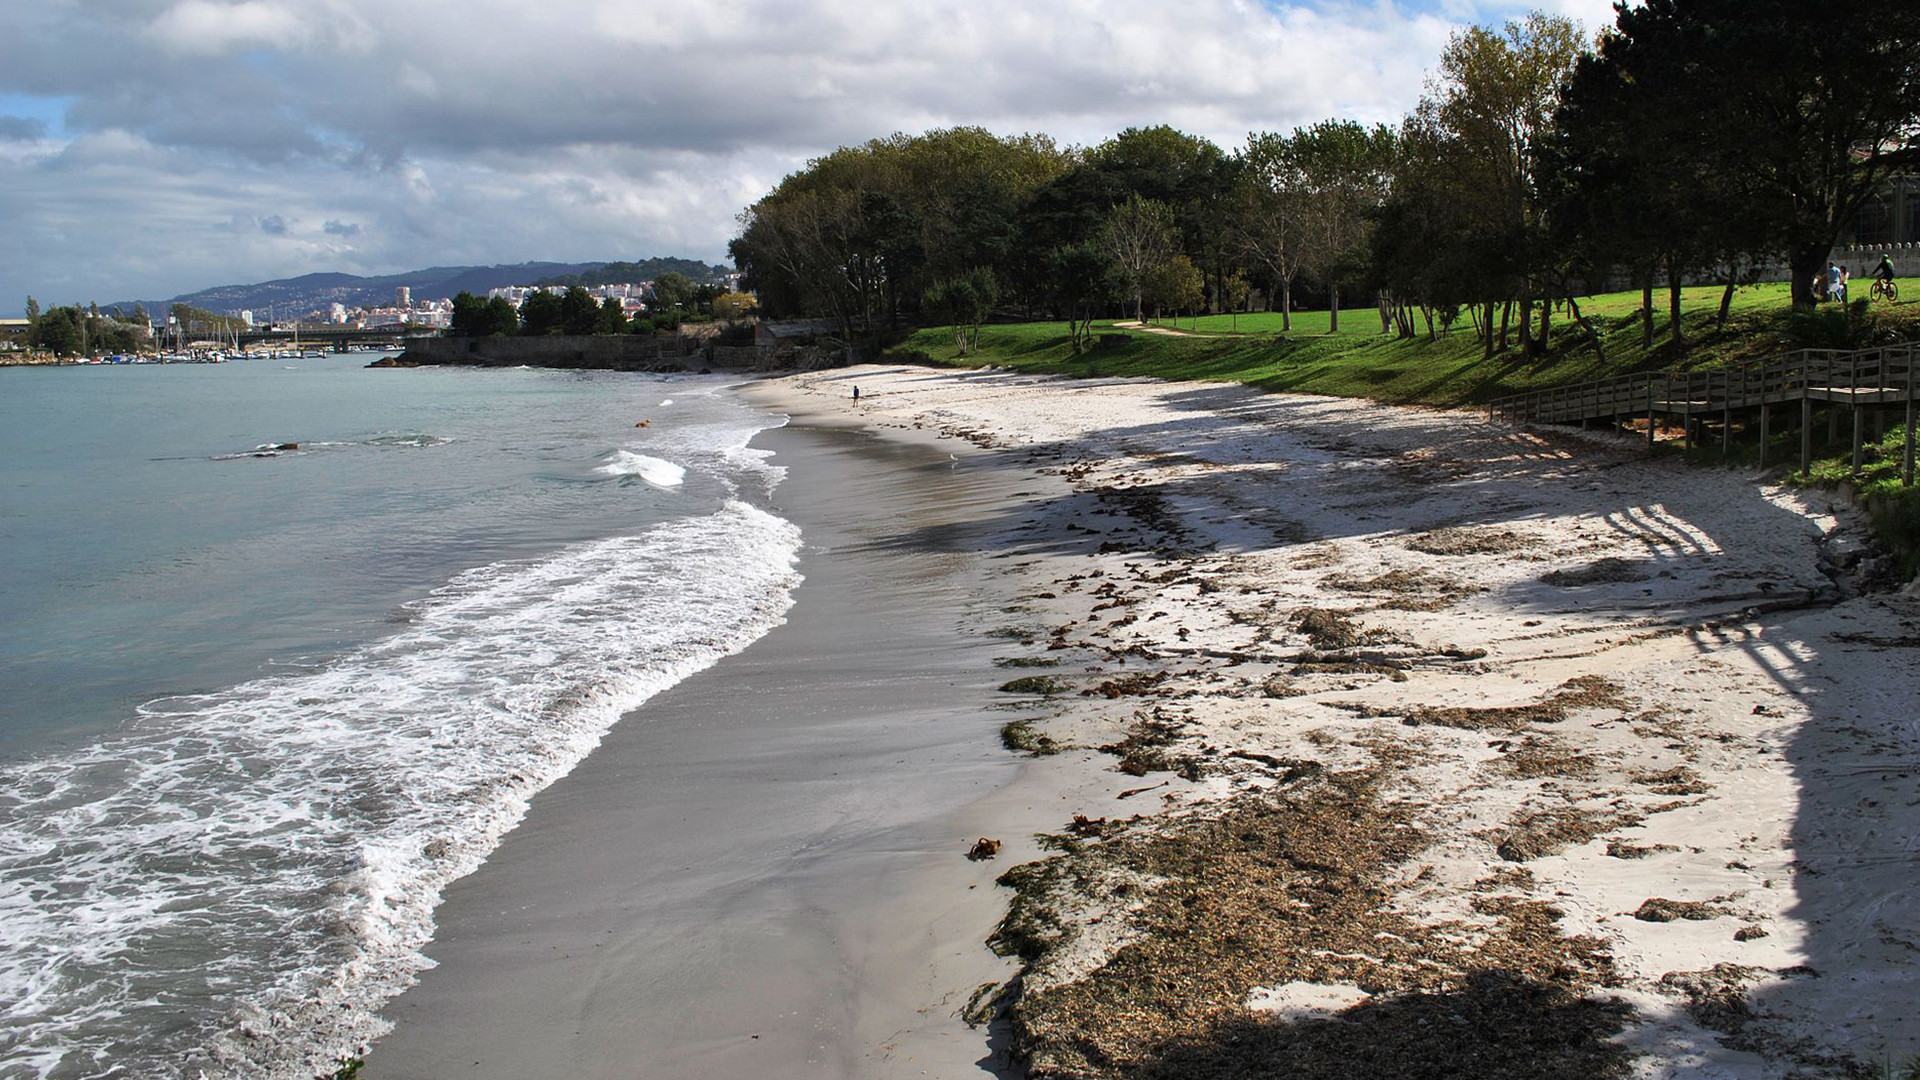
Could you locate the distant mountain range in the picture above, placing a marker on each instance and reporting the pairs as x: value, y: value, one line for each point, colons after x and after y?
x: 292, y: 297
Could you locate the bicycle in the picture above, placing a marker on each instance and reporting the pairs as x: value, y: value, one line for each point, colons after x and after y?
x: 1885, y: 290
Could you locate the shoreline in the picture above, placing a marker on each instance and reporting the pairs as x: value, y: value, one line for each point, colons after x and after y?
x: 763, y: 868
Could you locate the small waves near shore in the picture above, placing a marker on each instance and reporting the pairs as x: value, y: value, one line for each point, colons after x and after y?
x: 230, y: 882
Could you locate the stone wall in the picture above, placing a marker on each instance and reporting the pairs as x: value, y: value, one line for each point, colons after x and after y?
x: 741, y: 357
x: 1862, y: 261
x: 613, y: 352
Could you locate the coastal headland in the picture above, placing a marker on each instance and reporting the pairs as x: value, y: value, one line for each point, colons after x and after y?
x: 1379, y: 741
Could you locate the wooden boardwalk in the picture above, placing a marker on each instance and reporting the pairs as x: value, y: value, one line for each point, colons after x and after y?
x: 1871, y: 384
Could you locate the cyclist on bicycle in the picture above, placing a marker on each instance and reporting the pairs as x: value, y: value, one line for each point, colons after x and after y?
x: 1885, y: 270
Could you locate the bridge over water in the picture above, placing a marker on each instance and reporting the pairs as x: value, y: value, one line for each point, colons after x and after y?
x: 338, y: 337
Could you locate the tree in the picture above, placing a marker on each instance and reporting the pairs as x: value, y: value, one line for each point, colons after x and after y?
x: 1083, y: 276
x: 1624, y: 184
x: 33, y: 311
x: 671, y: 290
x: 1423, y: 251
x: 1174, y: 284
x: 612, y: 317
x: 964, y: 301
x: 1189, y: 174
x: 1234, y: 294
x: 540, y: 313
x: 1269, y: 214
x: 498, y: 317
x: 734, y: 305
x: 1804, y: 117
x: 579, y: 311
x: 467, y: 316
x: 1490, y: 111
x: 59, y: 330
x: 860, y: 233
x: 1139, y: 235
x: 1344, y: 171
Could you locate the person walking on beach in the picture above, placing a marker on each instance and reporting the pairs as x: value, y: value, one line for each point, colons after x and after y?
x: 856, y: 393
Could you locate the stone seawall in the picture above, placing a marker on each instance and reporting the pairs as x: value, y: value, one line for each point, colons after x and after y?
x: 615, y: 352
x: 610, y: 352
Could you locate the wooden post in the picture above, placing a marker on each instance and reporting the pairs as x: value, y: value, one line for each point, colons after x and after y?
x: 1806, y: 433
x: 1686, y: 411
x: 1649, y: 412
x: 1727, y: 416
x: 1879, y: 400
x: 1765, y: 409
x: 1906, y: 473
x: 1859, y: 435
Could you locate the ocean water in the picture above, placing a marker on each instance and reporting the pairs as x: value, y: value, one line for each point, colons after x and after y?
x: 258, y: 706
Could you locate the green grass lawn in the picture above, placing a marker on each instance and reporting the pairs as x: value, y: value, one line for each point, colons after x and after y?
x: 1360, y: 361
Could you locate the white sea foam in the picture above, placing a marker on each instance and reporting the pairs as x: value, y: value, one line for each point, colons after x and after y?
x: 656, y: 471
x: 292, y: 834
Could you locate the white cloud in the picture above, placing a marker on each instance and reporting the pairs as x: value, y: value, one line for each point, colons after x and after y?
x: 206, y: 28
x: 500, y: 131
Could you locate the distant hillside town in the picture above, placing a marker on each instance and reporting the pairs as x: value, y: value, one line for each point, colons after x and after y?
x: 634, y: 298
x: 336, y: 299
x: 622, y: 297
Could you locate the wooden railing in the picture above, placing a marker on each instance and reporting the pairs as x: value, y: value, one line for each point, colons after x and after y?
x: 1882, y: 376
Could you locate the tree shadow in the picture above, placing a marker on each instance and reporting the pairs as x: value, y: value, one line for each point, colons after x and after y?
x: 1823, y: 991
x: 1497, y: 1026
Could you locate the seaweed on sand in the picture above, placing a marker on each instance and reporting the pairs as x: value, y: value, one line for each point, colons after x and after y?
x: 1034, y: 684
x: 1458, y: 541
x: 1601, y: 572
x: 1022, y: 736
x: 1584, y: 692
x: 1538, y: 757
x: 1549, y: 832
x: 1294, y: 887
x: 1327, y: 629
x: 1407, y: 590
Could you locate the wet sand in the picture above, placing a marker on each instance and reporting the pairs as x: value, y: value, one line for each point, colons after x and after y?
x: 762, y: 871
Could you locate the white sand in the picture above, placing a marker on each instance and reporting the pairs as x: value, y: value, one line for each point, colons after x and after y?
x: 1766, y: 758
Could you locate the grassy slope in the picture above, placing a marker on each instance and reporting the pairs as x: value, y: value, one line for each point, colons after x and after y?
x: 1360, y: 361
x: 1452, y: 369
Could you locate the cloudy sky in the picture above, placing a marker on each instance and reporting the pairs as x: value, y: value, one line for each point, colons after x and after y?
x: 153, y: 147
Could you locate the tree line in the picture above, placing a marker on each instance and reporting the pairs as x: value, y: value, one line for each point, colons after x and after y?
x: 676, y: 299
x: 84, y: 330
x: 621, y: 273
x: 1694, y: 139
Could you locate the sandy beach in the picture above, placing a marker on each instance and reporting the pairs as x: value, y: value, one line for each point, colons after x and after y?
x: 1379, y: 741
x: 1606, y: 758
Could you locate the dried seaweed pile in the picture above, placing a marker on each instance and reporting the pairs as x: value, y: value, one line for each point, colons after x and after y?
x: 1585, y: 692
x: 1406, y: 590
x: 1471, y: 542
x: 1297, y: 887
x: 1548, y: 832
x: 1602, y: 572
